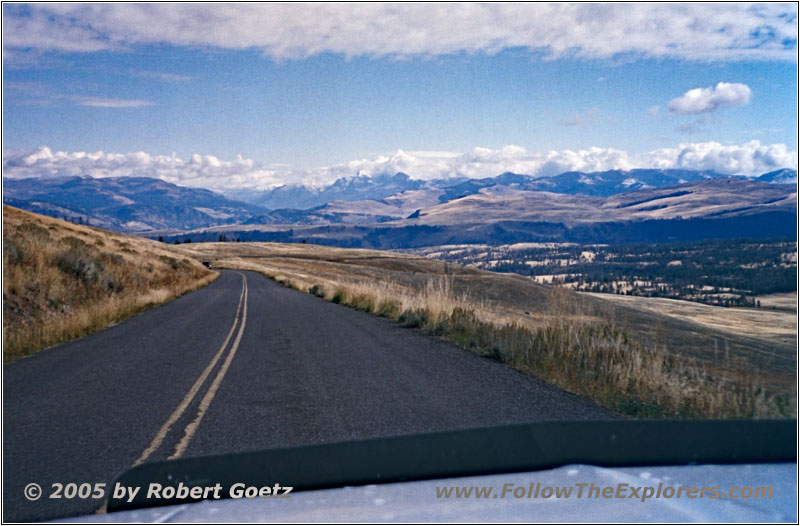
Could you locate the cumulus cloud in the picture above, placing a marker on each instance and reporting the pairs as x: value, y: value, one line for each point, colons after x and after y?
x: 751, y: 158
x: 706, y: 100
x: 204, y: 171
x: 727, y: 31
x: 207, y: 171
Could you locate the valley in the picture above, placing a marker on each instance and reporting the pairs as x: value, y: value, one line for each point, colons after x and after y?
x: 729, y: 273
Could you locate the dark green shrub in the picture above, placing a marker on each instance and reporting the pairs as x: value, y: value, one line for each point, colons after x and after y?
x: 363, y: 302
x: 388, y: 309
x: 414, y: 318
x: 317, y: 291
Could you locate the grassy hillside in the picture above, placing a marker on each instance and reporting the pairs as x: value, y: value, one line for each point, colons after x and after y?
x: 62, y: 280
x: 635, y: 361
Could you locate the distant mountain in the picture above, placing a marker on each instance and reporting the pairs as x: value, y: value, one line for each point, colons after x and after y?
x: 721, y: 197
x: 387, y: 201
x: 406, y: 203
x: 615, y: 182
x: 397, y: 206
x: 603, y: 184
x: 784, y: 176
x: 127, y: 204
x: 344, y: 189
x: 715, y: 208
x: 364, y: 188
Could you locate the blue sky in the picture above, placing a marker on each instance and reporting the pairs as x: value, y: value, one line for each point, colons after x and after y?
x: 304, y: 99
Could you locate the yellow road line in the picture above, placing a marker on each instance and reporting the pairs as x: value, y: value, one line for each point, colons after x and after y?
x: 162, y: 433
x: 212, y: 391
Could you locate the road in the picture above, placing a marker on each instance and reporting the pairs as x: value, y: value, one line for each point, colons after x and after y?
x: 241, y: 365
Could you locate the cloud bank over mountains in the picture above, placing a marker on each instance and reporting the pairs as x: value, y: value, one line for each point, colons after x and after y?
x: 207, y: 171
x: 727, y: 31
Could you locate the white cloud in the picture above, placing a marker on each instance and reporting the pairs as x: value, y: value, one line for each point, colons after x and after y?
x: 42, y: 94
x: 697, y: 31
x: 163, y: 76
x: 207, y: 171
x: 706, y: 100
x: 199, y: 170
x: 100, y: 102
x: 751, y: 158
x: 652, y: 111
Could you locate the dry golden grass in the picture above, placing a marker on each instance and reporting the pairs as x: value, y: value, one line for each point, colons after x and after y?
x: 581, y: 344
x: 783, y: 300
x: 62, y: 281
x: 777, y: 326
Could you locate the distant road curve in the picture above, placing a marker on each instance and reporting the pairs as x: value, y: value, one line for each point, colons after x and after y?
x: 240, y: 365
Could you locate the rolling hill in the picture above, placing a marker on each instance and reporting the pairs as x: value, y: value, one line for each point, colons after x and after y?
x: 61, y: 280
x: 125, y: 204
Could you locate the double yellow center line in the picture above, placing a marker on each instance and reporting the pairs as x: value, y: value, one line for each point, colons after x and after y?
x: 191, y: 428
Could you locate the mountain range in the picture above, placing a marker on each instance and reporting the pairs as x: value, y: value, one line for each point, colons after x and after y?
x: 405, y: 203
x: 355, y: 188
x: 611, y: 206
x: 378, y: 187
x: 716, y: 208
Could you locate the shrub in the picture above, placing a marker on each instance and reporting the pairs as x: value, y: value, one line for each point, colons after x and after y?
x: 80, y: 265
x: 31, y: 230
x: 114, y: 258
x: 12, y: 252
x: 362, y: 302
x: 414, y: 318
x: 172, y: 262
x: 317, y: 291
x: 74, y: 242
x: 388, y: 309
x: 107, y: 281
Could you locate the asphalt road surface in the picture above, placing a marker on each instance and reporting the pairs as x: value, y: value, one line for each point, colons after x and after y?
x: 241, y: 365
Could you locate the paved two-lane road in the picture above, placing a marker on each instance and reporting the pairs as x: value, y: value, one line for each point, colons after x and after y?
x: 243, y: 364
